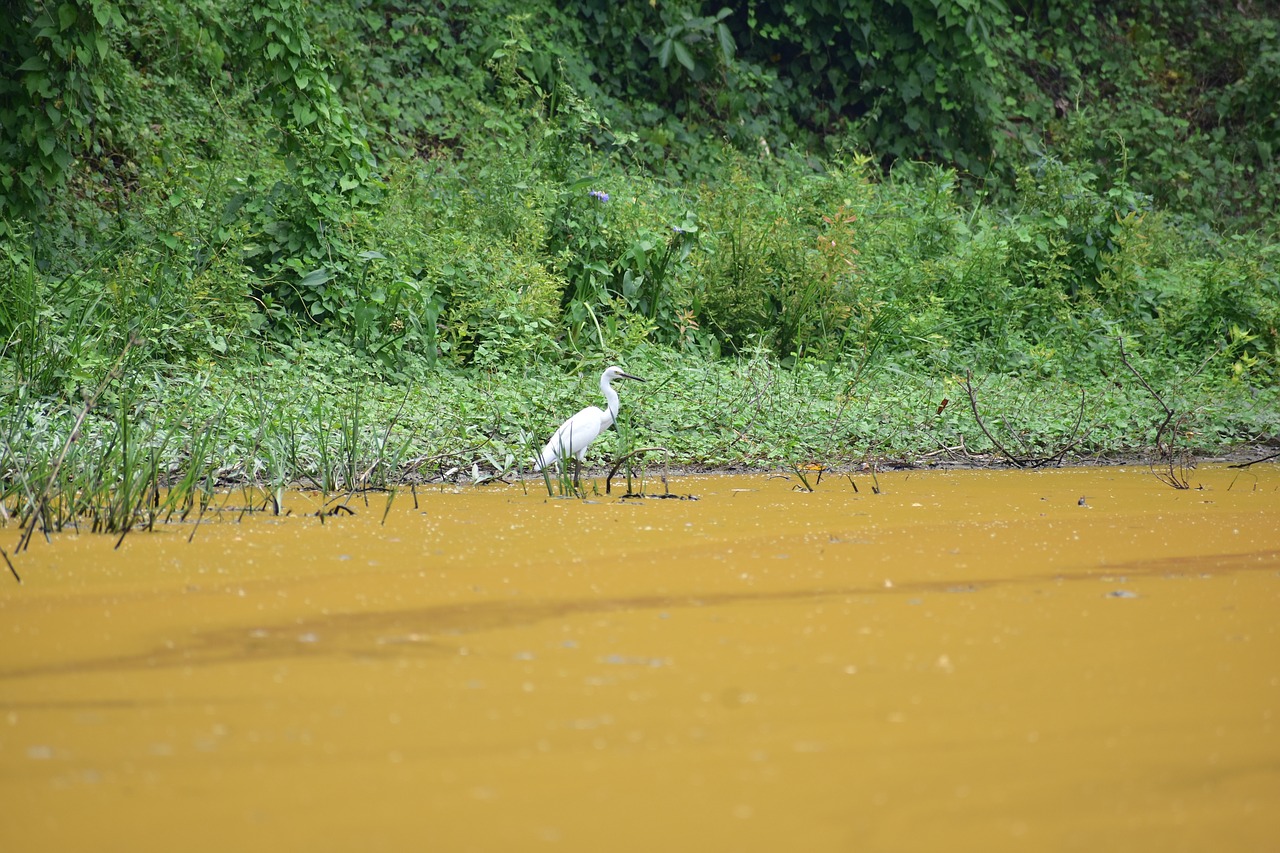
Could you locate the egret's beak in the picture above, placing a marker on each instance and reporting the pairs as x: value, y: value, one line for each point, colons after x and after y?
x: 629, y: 376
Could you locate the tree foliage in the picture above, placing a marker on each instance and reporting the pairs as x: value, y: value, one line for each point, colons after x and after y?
x: 1008, y: 184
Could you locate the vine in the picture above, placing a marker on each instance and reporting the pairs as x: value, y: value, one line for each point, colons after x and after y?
x: 51, y: 97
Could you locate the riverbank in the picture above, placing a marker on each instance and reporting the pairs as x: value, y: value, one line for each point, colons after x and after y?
x: 322, y: 418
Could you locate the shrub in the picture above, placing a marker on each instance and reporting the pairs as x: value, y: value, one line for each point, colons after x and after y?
x: 777, y: 268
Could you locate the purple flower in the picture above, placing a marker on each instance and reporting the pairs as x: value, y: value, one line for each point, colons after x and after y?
x: 599, y: 196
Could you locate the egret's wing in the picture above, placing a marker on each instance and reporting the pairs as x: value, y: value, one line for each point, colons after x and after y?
x: 572, y: 437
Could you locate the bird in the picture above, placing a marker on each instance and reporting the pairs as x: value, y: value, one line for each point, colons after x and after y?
x: 575, y: 435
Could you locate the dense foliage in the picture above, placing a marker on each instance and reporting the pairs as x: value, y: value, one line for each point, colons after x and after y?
x: 913, y: 187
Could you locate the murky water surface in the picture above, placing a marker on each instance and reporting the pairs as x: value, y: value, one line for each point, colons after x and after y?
x: 966, y: 661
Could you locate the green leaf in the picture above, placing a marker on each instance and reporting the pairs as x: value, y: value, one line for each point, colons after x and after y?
x: 315, y: 278
x: 67, y: 15
x: 35, y: 62
x: 727, y: 46
x: 664, y: 54
x: 631, y: 283
x: 303, y: 115
x: 683, y: 56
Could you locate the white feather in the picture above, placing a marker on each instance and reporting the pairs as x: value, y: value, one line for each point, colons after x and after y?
x: 574, y: 436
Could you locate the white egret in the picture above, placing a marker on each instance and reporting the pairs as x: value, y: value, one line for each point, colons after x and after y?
x: 576, y: 434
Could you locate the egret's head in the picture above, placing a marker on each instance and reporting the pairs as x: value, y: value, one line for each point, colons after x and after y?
x: 616, y: 372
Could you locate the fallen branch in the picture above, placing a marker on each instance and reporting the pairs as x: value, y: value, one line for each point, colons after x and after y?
x: 1267, y: 458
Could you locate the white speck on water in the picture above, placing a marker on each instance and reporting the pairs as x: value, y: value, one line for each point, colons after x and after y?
x: 624, y: 660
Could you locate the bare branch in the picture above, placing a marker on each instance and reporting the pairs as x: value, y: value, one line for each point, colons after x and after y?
x: 973, y: 404
x: 1266, y: 458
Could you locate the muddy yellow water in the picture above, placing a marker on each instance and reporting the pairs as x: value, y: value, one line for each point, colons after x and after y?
x: 965, y: 661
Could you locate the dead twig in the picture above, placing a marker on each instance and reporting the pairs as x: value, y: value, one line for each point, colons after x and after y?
x: 608, y: 481
x: 418, y: 461
x: 9, y: 563
x: 973, y: 405
x: 1023, y: 461
x: 1266, y: 458
x: 1075, y: 440
x: 1168, y: 412
x: 1176, y: 475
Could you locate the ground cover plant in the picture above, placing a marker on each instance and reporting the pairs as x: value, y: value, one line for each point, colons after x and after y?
x: 354, y: 246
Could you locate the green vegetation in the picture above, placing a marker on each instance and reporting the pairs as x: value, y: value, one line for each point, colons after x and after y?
x: 349, y: 244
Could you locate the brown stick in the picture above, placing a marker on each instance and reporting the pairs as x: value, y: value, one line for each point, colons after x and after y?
x: 9, y: 563
x: 1175, y: 478
x: 1256, y: 461
x: 973, y: 404
x: 608, y: 481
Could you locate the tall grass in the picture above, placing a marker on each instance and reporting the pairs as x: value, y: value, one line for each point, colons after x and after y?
x: 132, y: 455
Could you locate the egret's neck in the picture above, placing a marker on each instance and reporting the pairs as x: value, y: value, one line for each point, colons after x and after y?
x: 610, y: 397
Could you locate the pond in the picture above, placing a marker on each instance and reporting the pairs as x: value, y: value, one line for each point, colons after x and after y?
x: 1070, y: 659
